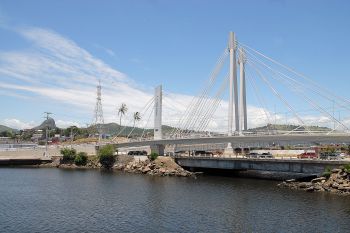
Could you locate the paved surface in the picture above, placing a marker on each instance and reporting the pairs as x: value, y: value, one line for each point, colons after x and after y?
x: 39, y: 151
x: 245, y: 140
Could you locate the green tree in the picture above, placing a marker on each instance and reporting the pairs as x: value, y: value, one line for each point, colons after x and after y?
x: 137, y: 117
x: 81, y: 159
x: 106, y: 156
x: 153, y: 156
x: 69, y: 154
x: 121, y: 112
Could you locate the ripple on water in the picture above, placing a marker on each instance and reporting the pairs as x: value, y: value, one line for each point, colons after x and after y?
x: 58, y: 200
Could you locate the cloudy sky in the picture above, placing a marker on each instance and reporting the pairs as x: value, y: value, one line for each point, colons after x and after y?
x: 52, y: 55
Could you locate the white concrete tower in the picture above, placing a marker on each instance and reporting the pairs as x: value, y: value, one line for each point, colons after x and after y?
x: 158, y: 113
x: 233, y: 102
x: 243, y: 100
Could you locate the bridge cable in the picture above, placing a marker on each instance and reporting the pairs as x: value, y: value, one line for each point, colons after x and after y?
x: 276, y: 92
x: 197, y: 102
x: 202, y: 101
x: 295, y: 83
x: 315, y: 84
x: 260, y: 99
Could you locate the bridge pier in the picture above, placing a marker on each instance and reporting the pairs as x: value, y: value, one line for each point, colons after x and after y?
x: 158, y: 148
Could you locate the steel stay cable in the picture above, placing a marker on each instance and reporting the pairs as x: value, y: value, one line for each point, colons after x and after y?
x: 297, y: 73
x: 276, y: 92
x: 192, y: 103
x: 211, y: 110
x: 199, y: 103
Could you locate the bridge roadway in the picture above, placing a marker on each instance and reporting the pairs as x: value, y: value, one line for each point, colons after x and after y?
x: 245, y: 140
x: 291, y: 168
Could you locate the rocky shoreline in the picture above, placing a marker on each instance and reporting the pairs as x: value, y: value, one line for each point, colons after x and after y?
x: 162, y: 166
x: 336, y: 181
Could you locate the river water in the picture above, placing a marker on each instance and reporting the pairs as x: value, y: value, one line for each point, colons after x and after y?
x: 59, y: 200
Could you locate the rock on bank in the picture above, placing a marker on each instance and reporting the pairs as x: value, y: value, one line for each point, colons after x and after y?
x: 336, y: 181
x: 162, y: 166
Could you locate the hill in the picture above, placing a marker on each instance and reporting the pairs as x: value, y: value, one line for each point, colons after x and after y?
x: 4, y: 128
x: 289, y: 128
x: 114, y: 128
x: 50, y: 123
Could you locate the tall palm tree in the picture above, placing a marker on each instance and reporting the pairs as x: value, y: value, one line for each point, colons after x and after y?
x: 121, y: 112
x: 137, y: 117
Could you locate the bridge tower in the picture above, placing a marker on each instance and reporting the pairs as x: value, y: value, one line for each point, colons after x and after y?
x: 158, y: 113
x: 233, y: 101
x: 158, y: 148
x: 243, y: 100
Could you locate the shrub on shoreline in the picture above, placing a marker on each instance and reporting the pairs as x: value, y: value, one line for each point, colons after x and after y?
x: 106, y: 156
x: 327, y: 173
x: 69, y: 154
x: 153, y: 156
x: 81, y: 159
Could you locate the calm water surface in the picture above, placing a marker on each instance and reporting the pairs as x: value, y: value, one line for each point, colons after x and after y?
x: 58, y: 200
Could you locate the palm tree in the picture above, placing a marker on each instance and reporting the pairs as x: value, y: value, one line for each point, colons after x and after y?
x: 137, y: 117
x: 121, y: 112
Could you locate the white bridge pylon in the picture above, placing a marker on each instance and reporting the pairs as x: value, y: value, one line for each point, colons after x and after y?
x: 158, y: 113
x: 239, y: 105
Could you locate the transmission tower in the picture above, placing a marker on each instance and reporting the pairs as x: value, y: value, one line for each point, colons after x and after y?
x: 98, y: 119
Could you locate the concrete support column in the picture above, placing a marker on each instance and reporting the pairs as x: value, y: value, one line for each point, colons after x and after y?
x: 159, y: 149
x: 233, y: 101
x: 243, y: 101
x: 158, y: 113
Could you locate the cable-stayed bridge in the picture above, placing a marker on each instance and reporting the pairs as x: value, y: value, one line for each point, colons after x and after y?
x: 286, y: 88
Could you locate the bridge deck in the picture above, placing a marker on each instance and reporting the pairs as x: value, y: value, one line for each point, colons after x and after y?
x: 239, y: 140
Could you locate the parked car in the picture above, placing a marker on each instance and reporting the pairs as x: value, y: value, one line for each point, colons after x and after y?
x: 252, y: 155
x: 201, y: 153
x: 137, y: 152
x: 181, y: 153
x: 330, y: 155
x: 308, y: 155
x: 267, y: 155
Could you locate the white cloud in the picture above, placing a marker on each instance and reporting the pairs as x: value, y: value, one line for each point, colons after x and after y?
x: 66, y: 124
x: 17, y: 124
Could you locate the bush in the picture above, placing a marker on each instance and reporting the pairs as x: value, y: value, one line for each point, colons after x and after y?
x: 153, y: 156
x: 106, y: 156
x: 68, y: 154
x: 327, y: 173
x: 81, y: 159
x: 347, y: 168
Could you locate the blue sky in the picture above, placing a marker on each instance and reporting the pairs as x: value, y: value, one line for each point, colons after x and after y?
x: 140, y: 44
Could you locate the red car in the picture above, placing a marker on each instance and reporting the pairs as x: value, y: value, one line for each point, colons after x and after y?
x: 308, y: 155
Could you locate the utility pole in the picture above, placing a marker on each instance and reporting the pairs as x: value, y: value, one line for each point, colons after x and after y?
x: 72, y: 135
x: 46, y: 131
